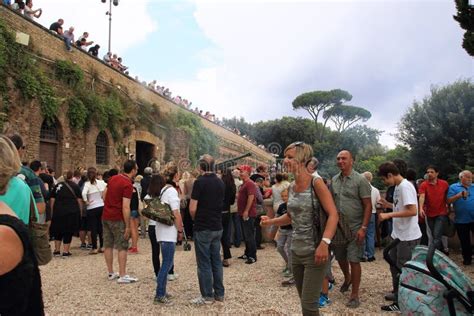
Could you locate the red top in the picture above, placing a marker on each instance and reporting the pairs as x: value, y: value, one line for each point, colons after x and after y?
x: 435, y: 197
x: 118, y: 187
x: 246, y: 189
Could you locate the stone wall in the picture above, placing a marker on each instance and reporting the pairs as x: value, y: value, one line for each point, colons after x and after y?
x: 78, y: 148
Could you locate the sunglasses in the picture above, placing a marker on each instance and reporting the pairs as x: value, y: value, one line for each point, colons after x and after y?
x: 296, y: 144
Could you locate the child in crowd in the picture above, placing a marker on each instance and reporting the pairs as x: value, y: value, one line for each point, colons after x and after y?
x: 284, y: 241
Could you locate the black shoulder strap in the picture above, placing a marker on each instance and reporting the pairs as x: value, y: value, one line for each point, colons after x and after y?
x: 163, y: 192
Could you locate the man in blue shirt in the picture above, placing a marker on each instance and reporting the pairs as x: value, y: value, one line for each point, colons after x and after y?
x: 461, y: 195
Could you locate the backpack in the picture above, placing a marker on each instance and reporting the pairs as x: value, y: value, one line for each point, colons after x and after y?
x: 434, y: 286
x: 159, y: 211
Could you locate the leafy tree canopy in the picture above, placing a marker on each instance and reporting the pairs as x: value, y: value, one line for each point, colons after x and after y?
x: 317, y: 102
x: 343, y: 116
x: 465, y: 17
x: 439, y: 130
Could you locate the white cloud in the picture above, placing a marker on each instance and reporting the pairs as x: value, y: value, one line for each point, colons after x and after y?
x: 131, y: 21
x: 385, y: 54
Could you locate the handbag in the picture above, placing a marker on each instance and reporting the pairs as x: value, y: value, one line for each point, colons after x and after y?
x: 159, y: 211
x: 343, y: 233
x: 39, y: 237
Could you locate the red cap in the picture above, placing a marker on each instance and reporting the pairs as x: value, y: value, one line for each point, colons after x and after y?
x: 246, y: 168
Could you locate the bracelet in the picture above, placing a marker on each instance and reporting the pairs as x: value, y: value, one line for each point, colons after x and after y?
x: 364, y: 227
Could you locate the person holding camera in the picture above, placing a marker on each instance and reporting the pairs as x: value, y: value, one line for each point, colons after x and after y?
x: 461, y: 195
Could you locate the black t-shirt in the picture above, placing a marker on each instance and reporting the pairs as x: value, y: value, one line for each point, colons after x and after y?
x: 134, y: 200
x: 94, y: 51
x: 56, y: 27
x: 47, y: 179
x: 256, y: 176
x: 208, y: 190
x: 66, y: 201
x: 282, y: 211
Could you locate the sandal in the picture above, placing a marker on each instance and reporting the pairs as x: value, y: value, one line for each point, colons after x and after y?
x: 353, y: 303
x: 345, y: 287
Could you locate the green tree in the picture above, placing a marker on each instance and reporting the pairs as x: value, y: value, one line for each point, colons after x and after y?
x: 343, y: 116
x: 465, y: 18
x: 244, y: 127
x: 439, y: 130
x: 279, y: 133
x: 317, y: 102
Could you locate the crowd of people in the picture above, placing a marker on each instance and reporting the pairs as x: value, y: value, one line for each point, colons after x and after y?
x: 113, y: 60
x: 220, y: 208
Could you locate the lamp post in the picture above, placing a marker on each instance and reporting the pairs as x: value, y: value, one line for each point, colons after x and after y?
x: 109, y: 13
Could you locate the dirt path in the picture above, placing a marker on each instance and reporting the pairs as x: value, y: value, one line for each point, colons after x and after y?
x: 79, y: 285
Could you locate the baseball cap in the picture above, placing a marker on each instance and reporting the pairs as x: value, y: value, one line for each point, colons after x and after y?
x: 246, y: 168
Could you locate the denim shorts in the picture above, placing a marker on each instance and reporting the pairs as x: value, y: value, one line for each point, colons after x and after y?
x: 134, y: 214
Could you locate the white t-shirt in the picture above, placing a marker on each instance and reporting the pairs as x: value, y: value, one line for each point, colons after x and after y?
x: 405, y: 228
x: 92, y: 193
x: 375, y: 197
x: 165, y: 232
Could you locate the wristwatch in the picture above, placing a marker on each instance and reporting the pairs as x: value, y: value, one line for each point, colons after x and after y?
x: 327, y: 241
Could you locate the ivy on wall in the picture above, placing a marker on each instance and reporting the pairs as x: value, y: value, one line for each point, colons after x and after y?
x: 201, y: 140
x: 110, y: 110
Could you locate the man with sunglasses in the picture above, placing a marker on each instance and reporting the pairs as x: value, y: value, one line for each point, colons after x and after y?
x: 352, y: 194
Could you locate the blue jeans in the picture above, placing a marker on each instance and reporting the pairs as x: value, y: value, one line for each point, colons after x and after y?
x: 68, y: 43
x: 167, y: 253
x: 236, y: 239
x: 436, y: 227
x: 207, y: 244
x: 370, y: 238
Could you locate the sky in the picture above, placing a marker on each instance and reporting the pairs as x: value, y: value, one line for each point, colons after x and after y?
x: 251, y: 59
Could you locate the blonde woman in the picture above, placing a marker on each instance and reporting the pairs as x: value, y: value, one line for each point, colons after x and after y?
x: 18, y: 196
x: 310, y: 244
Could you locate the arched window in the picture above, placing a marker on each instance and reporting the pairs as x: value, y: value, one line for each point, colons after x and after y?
x: 49, y: 132
x: 101, y: 149
x: 49, y: 145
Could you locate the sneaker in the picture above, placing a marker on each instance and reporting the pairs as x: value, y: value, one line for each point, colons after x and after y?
x: 390, y: 297
x: 83, y: 246
x: 57, y: 253
x: 172, y: 277
x: 244, y: 257
x: 112, y: 276
x: 288, y: 282
x: 126, y: 279
x: 250, y: 260
x: 331, y: 286
x: 162, y: 301
x: 133, y: 250
x: 66, y: 255
x: 371, y: 259
x: 201, y: 301
x: 285, y: 270
x: 288, y: 274
x: 353, y: 303
x: 89, y: 247
x: 324, y: 300
x: 219, y: 299
x: 391, y: 308
x: 225, y: 263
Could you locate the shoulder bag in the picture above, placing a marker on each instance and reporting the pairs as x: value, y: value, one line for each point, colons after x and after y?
x: 159, y: 211
x: 39, y: 237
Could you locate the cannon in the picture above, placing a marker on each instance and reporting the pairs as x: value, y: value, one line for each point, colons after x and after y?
x: 230, y: 162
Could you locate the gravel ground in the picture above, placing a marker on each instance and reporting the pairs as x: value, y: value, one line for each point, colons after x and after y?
x: 79, y: 285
